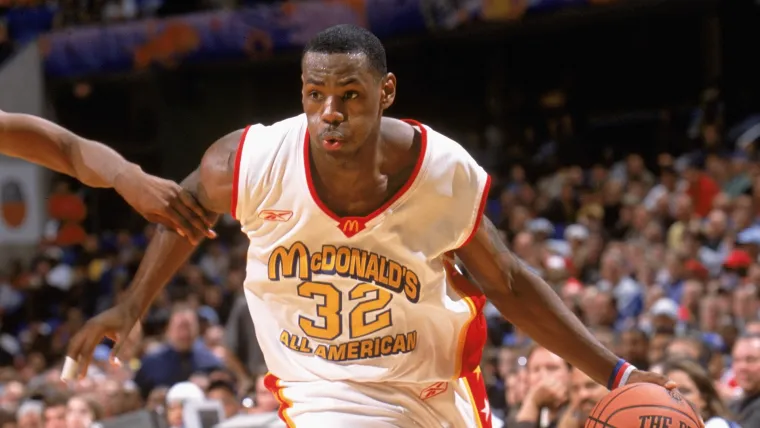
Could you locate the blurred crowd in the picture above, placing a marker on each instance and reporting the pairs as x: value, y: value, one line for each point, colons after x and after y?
x: 22, y: 21
x: 659, y: 258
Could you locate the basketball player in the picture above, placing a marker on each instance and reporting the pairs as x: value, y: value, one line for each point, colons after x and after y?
x: 96, y: 165
x: 353, y: 218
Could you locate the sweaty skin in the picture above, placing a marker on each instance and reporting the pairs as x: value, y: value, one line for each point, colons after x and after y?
x: 360, y: 159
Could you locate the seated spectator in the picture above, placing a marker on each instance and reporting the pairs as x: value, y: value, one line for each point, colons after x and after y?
x: 54, y: 413
x: 81, y: 412
x: 180, y: 357
x: 584, y: 394
x: 634, y: 347
x: 547, y: 396
x: 697, y: 387
x: 259, y: 409
x: 176, y: 397
x: 7, y: 420
x: 29, y: 414
x: 224, y: 393
x: 746, y: 366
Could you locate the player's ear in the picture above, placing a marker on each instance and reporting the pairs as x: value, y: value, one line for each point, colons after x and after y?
x: 389, y: 91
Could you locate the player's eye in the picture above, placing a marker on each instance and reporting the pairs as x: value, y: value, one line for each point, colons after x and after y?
x: 350, y: 95
x: 314, y: 95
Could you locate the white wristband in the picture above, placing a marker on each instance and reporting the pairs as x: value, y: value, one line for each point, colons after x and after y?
x: 626, y: 375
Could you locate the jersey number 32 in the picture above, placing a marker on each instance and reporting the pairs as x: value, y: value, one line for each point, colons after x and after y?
x: 330, y: 313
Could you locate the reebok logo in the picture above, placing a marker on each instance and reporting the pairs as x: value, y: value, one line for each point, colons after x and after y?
x: 275, y: 215
x: 433, y: 390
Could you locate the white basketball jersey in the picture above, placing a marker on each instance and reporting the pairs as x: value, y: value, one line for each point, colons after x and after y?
x: 365, y: 299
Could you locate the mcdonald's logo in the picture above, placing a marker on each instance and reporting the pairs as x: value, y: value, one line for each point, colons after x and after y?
x: 351, y: 226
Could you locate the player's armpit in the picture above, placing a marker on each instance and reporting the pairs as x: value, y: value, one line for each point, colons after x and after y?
x: 530, y: 303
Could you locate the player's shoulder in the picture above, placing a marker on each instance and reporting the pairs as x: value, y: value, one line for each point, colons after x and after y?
x: 290, y: 127
x: 260, y: 139
x: 444, y: 156
x: 444, y: 148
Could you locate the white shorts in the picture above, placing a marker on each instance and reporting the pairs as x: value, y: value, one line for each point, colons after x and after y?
x: 455, y: 404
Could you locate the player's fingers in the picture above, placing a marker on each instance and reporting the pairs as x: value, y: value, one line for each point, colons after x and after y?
x: 121, y: 339
x: 184, y: 227
x: 167, y: 222
x: 191, y: 217
x: 74, y: 349
x: 86, y: 355
x: 205, y: 216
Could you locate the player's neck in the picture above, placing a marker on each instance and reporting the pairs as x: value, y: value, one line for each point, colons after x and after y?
x: 358, y: 171
x: 371, y: 175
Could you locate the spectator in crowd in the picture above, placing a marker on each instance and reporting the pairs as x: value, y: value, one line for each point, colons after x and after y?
x: 696, y: 386
x: 176, y: 398
x: 746, y: 367
x: 181, y: 356
x: 54, y: 413
x: 547, y: 395
x: 224, y: 393
x: 29, y: 414
x: 82, y: 411
x: 584, y: 394
x: 634, y: 347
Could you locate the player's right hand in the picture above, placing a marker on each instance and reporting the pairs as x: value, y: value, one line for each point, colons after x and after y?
x: 167, y: 203
x: 115, y: 323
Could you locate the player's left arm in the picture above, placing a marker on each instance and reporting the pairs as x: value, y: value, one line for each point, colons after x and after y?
x: 532, y: 305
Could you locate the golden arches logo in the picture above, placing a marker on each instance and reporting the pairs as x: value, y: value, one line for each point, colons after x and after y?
x: 351, y: 226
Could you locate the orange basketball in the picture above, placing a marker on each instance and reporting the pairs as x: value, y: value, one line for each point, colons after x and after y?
x: 644, y: 405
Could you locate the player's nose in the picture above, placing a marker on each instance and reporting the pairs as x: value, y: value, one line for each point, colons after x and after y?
x: 332, y: 111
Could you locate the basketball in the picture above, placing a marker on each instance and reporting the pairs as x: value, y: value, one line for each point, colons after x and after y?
x: 644, y: 405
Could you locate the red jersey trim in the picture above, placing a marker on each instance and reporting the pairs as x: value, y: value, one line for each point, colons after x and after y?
x: 236, y: 174
x: 385, y: 206
x: 481, y: 210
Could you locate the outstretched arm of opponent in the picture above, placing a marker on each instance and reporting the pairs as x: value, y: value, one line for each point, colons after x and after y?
x: 42, y: 142
x: 530, y: 303
x: 212, y: 185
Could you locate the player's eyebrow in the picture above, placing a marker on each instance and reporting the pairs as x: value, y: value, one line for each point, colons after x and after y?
x: 313, y: 81
x: 347, y: 81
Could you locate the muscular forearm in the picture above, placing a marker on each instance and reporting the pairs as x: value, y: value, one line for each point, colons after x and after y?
x: 531, y: 304
x: 165, y: 255
x: 45, y: 143
x: 536, y: 309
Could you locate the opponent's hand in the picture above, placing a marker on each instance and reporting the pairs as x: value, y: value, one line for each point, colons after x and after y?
x: 115, y: 323
x: 165, y: 202
x: 640, y: 376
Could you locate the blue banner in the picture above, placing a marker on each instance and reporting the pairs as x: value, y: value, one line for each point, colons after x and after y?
x: 258, y: 32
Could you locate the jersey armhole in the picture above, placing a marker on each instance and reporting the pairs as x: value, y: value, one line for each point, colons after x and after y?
x: 481, y: 207
x: 236, y: 174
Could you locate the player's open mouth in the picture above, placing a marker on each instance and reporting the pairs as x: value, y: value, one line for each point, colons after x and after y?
x: 332, y: 143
